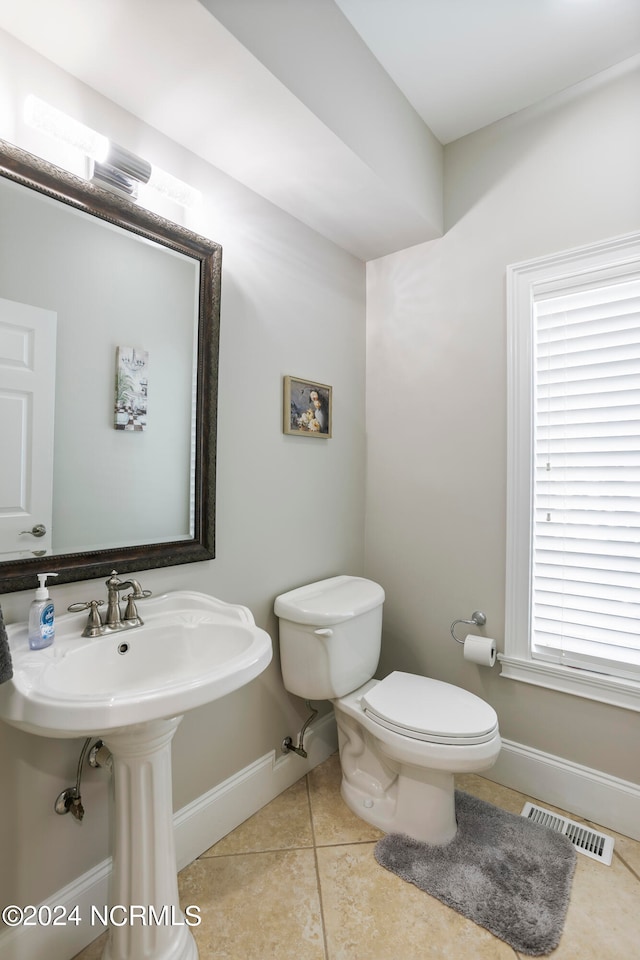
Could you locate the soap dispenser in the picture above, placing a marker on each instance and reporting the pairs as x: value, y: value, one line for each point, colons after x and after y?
x: 42, y: 629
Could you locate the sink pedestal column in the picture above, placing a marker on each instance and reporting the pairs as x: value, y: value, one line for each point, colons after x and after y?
x: 146, y: 920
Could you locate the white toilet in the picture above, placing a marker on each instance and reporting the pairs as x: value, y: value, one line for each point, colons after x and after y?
x: 401, y: 739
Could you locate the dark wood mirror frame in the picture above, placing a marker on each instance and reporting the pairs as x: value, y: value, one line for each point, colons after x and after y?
x: 43, y: 177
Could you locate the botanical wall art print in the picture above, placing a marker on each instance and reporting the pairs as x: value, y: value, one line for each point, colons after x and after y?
x: 307, y: 408
x: 132, y: 382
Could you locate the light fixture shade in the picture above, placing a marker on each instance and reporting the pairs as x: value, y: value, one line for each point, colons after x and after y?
x: 176, y: 190
x: 112, y: 166
x: 41, y: 116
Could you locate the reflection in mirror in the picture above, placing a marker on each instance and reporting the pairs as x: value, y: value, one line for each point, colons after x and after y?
x: 108, y: 367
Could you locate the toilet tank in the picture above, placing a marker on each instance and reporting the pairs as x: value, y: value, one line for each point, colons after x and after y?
x: 330, y: 634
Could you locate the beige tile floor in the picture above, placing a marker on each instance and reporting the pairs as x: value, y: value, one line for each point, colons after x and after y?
x: 298, y: 881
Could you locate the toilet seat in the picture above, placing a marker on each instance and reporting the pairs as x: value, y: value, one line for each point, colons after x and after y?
x: 425, y: 709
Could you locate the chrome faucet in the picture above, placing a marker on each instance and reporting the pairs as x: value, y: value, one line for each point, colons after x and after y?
x: 113, y: 620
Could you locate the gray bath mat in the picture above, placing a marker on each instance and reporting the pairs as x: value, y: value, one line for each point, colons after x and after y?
x: 502, y: 871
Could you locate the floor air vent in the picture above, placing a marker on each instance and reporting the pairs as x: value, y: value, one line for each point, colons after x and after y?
x: 596, y: 845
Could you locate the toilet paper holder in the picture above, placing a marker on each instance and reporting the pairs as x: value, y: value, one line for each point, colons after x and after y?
x: 478, y: 618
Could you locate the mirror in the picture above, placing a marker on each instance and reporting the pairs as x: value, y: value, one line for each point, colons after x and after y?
x: 109, y: 326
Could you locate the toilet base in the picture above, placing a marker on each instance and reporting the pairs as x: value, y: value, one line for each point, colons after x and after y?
x: 422, y: 807
x: 398, y: 784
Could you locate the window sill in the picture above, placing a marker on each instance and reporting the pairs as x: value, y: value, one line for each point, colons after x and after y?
x: 579, y: 683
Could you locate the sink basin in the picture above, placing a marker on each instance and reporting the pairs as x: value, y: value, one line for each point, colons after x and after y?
x: 190, y: 650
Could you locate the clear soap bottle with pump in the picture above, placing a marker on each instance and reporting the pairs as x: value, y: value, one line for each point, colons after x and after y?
x: 42, y: 628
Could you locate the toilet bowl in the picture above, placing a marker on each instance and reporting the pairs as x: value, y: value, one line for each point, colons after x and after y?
x: 401, y: 778
x: 401, y: 739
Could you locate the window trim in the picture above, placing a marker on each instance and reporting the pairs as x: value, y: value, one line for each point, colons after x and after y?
x: 615, y: 258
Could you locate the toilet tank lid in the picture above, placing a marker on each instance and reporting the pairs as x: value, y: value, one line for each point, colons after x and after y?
x: 329, y: 601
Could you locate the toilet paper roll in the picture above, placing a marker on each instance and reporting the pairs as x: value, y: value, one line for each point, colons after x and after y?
x: 480, y: 650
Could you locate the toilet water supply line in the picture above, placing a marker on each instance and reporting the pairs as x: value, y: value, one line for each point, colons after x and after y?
x: 287, y: 743
x: 70, y: 800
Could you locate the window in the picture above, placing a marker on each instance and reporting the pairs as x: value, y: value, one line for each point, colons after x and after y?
x: 573, y: 552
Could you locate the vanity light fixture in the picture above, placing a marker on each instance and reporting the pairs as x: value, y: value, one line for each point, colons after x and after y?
x: 112, y: 166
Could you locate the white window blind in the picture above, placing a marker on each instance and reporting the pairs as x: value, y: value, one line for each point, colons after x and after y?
x: 586, y: 487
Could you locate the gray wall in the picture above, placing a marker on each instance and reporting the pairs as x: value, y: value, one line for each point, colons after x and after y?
x: 289, y: 509
x: 550, y: 178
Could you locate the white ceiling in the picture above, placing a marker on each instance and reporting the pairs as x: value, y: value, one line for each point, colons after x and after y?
x: 461, y: 64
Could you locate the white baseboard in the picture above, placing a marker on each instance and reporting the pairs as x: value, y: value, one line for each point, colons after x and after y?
x: 592, y: 795
x: 595, y: 796
x: 197, y: 827
x: 61, y: 942
x: 215, y: 814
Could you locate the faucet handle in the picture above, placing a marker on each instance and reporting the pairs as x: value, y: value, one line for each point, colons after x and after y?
x: 131, y: 615
x: 94, y: 622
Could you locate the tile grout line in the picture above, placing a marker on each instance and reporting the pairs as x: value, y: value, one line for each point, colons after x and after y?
x: 321, y: 846
x: 325, y: 946
x: 629, y: 868
x: 252, y: 853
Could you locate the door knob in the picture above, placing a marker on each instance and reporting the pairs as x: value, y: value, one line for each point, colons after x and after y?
x: 38, y: 531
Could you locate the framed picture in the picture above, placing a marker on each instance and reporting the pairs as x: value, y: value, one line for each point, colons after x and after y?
x: 307, y: 408
x: 132, y: 383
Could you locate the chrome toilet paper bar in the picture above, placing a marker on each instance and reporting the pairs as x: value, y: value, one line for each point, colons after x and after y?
x: 478, y: 618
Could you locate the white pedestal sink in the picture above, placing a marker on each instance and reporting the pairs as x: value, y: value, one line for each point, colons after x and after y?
x: 131, y: 688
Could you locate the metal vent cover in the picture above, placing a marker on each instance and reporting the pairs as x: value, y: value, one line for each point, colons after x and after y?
x: 598, y: 846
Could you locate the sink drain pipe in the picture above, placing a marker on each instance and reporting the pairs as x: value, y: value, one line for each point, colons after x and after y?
x: 287, y: 743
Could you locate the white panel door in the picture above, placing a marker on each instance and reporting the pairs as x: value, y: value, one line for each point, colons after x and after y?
x: 27, y: 399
